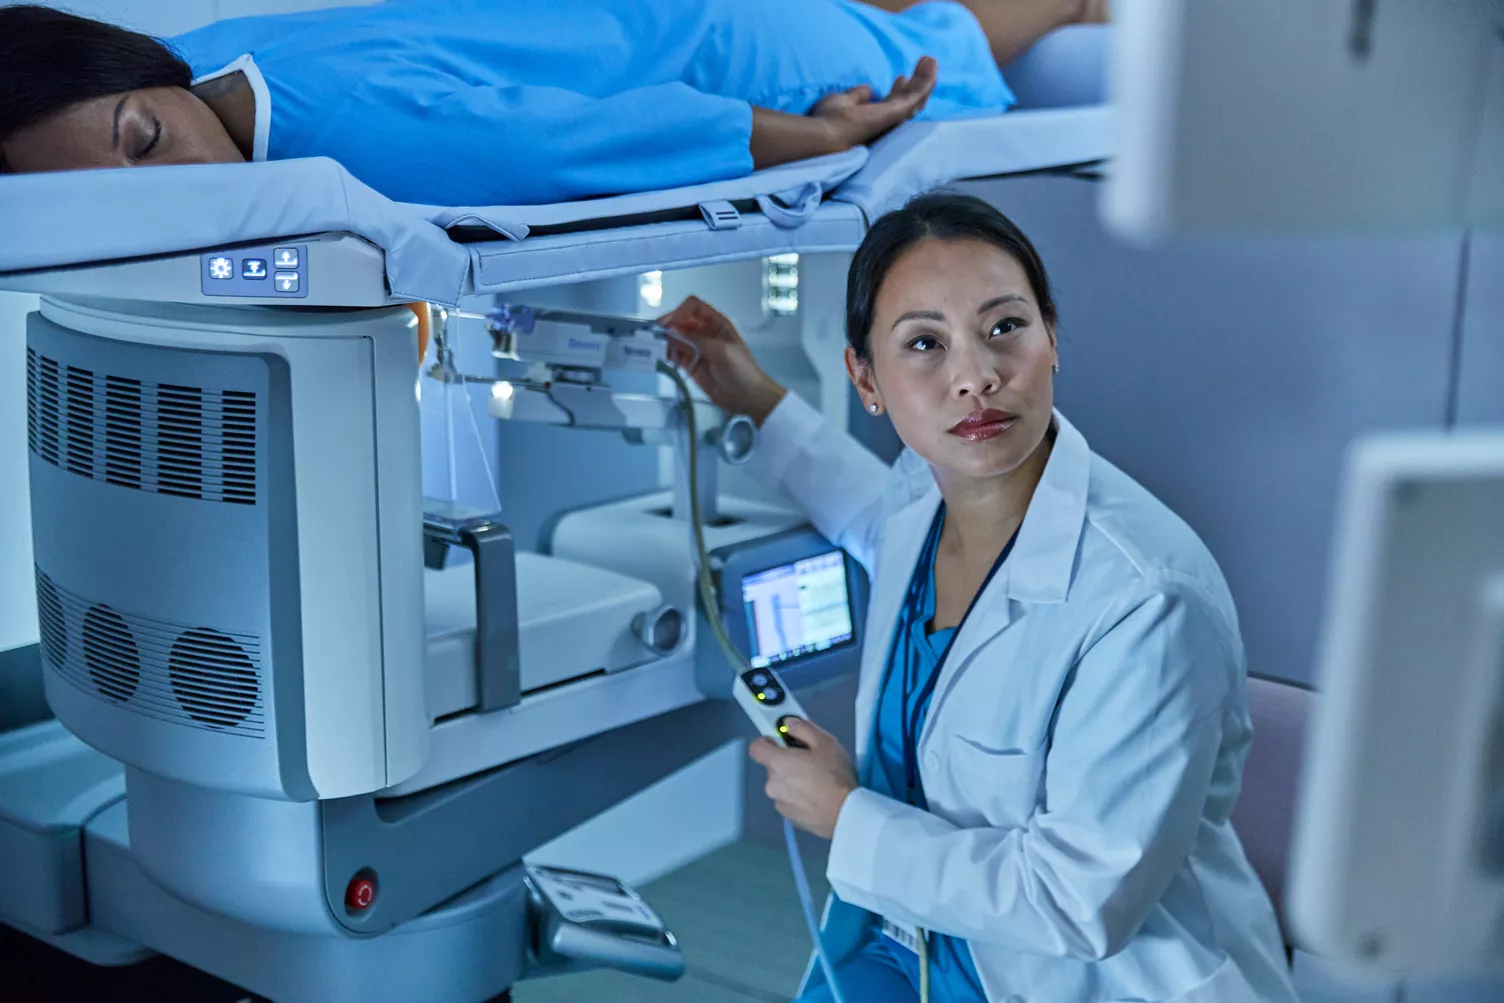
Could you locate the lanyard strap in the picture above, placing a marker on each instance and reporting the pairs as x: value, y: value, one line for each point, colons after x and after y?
x: 915, y: 705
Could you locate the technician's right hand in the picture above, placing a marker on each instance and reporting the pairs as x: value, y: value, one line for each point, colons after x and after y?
x: 725, y: 369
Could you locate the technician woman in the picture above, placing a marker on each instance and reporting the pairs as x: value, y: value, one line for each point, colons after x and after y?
x: 1051, y: 721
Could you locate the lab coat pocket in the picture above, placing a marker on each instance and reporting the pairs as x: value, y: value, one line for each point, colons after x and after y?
x: 1000, y: 784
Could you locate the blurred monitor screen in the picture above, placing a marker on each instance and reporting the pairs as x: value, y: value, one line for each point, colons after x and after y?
x: 1306, y: 115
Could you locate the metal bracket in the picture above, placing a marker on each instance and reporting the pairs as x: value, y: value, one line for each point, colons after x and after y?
x: 519, y: 318
x: 498, y: 662
x: 588, y: 405
x: 735, y: 439
x: 561, y: 946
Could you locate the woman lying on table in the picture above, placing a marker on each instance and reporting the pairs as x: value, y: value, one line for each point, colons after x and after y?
x: 456, y: 102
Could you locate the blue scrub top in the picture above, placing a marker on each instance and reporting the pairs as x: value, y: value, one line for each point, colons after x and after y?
x: 513, y: 102
x: 953, y: 975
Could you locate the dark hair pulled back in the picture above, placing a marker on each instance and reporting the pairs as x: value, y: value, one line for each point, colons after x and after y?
x: 51, y: 60
x: 933, y: 216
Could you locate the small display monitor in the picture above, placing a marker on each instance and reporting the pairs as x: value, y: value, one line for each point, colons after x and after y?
x: 797, y: 609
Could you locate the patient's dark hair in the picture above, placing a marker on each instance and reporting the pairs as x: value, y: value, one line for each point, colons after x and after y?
x: 51, y: 60
x: 937, y: 216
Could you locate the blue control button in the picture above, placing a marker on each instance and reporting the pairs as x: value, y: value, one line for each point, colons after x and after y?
x: 287, y: 282
x: 253, y: 268
x: 221, y: 268
x: 286, y: 257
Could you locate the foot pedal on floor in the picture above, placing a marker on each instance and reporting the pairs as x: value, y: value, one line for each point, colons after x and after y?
x: 582, y: 921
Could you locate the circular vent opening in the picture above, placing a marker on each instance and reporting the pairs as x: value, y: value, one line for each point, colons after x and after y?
x: 54, y: 626
x: 213, y: 678
x: 110, y: 653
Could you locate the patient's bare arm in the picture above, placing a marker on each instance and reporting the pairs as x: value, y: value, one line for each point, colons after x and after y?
x: 1011, y: 26
x: 840, y: 121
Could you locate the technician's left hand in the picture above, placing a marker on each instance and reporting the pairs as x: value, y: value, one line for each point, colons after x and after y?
x: 808, y: 786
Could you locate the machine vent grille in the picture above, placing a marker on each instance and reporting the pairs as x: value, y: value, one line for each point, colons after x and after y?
x: 122, y: 431
x: 196, y: 676
x: 111, y: 654
x: 190, y: 442
x: 50, y: 617
x: 214, y: 680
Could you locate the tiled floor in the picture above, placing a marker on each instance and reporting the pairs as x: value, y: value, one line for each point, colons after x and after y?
x: 735, y: 913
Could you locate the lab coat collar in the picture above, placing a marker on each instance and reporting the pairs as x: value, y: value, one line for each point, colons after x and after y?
x: 1039, y: 569
x: 263, y: 128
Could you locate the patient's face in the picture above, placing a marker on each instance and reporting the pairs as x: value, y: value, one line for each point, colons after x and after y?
x: 161, y: 125
x: 957, y: 330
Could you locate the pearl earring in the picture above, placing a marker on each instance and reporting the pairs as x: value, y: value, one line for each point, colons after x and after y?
x: 1055, y: 368
x: 872, y: 408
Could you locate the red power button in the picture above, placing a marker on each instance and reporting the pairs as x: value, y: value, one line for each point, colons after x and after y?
x: 360, y: 893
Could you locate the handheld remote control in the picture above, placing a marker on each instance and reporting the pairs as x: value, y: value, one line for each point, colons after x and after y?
x: 768, y: 702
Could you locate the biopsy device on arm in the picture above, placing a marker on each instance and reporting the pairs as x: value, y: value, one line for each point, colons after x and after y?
x: 797, y: 604
x: 566, y: 362
x: 818, y: 582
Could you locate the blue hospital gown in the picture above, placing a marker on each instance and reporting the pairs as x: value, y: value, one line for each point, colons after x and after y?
x: 492, y: 102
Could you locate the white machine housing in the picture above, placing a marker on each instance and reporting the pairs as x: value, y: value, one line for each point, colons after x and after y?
x: 555, y: 598
x: 246, y: 603
x: 1399, y: 847
x: 195, y: 545
x: 1306, y: 114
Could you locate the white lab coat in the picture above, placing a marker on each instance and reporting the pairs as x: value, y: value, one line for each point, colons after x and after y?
x: 1083, y: 749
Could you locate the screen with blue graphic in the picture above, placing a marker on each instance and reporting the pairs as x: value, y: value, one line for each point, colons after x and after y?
x: 797, y: 609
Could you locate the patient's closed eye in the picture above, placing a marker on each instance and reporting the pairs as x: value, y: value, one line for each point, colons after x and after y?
x: 147, y: 137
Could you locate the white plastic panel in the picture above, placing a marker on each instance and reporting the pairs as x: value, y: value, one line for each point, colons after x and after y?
x: 359, y: 561
x: 827, y: 172
x: 69, y: 218
x: 1301, y: 114
x: 573, y: 620
x: 505, y: 265
x: 925, y: 155
x: 18, y: 606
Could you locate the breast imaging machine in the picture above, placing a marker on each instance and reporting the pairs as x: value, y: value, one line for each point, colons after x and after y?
x: 302, y: 742
x: 332, y: 730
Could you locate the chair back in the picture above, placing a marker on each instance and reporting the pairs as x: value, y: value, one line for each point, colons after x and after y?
x: 1265, y: 813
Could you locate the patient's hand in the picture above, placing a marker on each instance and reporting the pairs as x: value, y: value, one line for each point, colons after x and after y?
x: 839, y: 121
x: 857, y: 119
